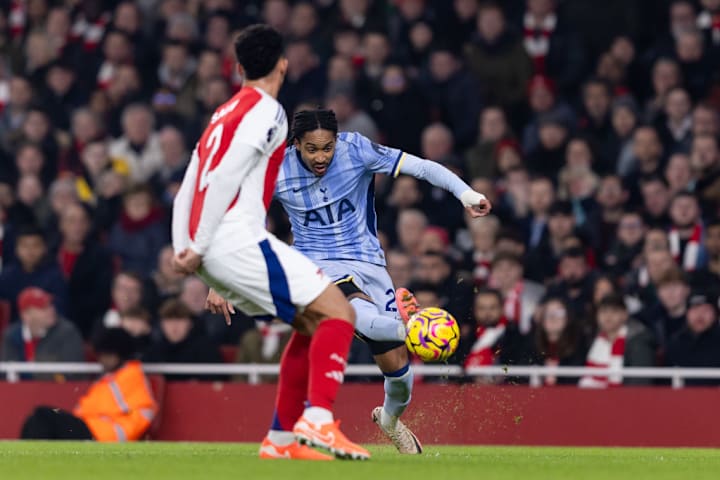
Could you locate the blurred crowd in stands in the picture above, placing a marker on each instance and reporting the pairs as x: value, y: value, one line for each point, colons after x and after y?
x: 593, y: 127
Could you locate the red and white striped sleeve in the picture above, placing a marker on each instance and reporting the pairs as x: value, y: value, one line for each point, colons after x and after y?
x: 182, y: 204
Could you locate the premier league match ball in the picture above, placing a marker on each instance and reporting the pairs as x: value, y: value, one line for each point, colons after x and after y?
x: 433, y: 335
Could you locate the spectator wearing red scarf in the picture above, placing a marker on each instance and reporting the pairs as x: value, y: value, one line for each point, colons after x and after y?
x: 140, y: 233
x: 686, y: 233
x: 86, y: 265
x: 482, y: 346
x: 553, y: 48
x: 520, y: 296
x: 620, y: 342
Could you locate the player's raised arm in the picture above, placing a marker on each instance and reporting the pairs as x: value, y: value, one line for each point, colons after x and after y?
x: 475, y: 202
x: 382, y: 159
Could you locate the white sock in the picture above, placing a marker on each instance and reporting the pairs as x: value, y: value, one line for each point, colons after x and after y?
x: 398, y: 392
x: 281, y: 437
x: 388, y: 421
x: 318, y: 415
x: 372, y: 324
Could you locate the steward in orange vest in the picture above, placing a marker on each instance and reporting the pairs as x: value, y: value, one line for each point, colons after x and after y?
x: 118, y: 407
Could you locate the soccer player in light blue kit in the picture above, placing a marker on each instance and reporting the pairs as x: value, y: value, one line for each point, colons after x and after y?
x: 326, y: 185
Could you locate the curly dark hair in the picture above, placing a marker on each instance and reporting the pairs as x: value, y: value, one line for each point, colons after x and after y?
x: 309, y: 120
x: 258, y: 48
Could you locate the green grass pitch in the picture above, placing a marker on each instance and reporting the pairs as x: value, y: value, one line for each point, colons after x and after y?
x: 218, y: 461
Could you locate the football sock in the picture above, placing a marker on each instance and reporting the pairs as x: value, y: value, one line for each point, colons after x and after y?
x: 292, y: 383
x: 398, y: 392
x: 329, y: 350
x: 373, y: 324
x: 281, y: 438
x: 318, y: 415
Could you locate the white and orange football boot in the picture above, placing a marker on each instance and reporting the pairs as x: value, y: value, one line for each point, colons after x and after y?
x: 406, y: 303
x: 329, y: 437
x: 294, y: 451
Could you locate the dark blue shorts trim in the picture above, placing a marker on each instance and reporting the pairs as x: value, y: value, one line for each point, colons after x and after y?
x: 279, y: 288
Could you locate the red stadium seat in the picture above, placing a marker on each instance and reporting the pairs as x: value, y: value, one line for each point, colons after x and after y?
x: 89, y: 352
x: 5, y: 315
x: 229, y: 353
x: 157, y: 385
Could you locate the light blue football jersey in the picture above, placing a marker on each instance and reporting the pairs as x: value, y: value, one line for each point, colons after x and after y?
x: 333, y: 216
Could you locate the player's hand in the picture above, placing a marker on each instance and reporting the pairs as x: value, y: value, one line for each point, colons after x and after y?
x: 475, y: 203
x: 187, y: 262
x: 217, y: 304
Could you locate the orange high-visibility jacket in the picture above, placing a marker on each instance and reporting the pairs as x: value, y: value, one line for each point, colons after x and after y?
x: 120, y: 406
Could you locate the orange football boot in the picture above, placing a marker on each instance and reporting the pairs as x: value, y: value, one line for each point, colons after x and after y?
x: 329, y: 437
x: 294, y: 451
x: 407, y: 304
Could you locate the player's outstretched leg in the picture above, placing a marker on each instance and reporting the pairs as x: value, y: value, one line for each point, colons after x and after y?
x: 407, y: 304
x: 280, y: 442
x: 329, y: 350
x: 398, y: 392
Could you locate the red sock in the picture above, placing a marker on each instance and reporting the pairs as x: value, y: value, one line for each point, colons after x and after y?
x: 328, y: 358
x: 292, y: 382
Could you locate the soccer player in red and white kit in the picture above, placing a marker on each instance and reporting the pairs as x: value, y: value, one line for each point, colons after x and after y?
x: 219, y: 233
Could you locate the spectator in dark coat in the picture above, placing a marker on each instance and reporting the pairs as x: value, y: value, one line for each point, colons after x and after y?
x: 695, y: 62
x: 62, y: 94
x: 87, y: 267
x: 182, y: 341
x: 497, y: 57
x: 376, y: 51
x: 541, y: 196
x: 41, y: 335
x: 399, y: 99
x: 33, y: 268
x: 705, y: 162
x: 542, y: 260
x: 675, y: 125
x: 140, y: 233
x: 549, y: 156
x: 656, y: 196
x: 434, y: 269
x: 454, y: 94
x: 682, y: 17
x: 624, y: 253
x: 542, y: 98
x: 556, y: 340
x: 698, y: 343
x: 165, y: 282
x: 594, y: 123
x: 574, y: 282
x: 136, y: 321
x: 483, y: 159
x: 602, y: 223
x: 668, y: 315
x: 646, y: 160
x: 305, y: 78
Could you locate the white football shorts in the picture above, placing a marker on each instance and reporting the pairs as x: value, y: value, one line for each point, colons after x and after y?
x: 265, y: 279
